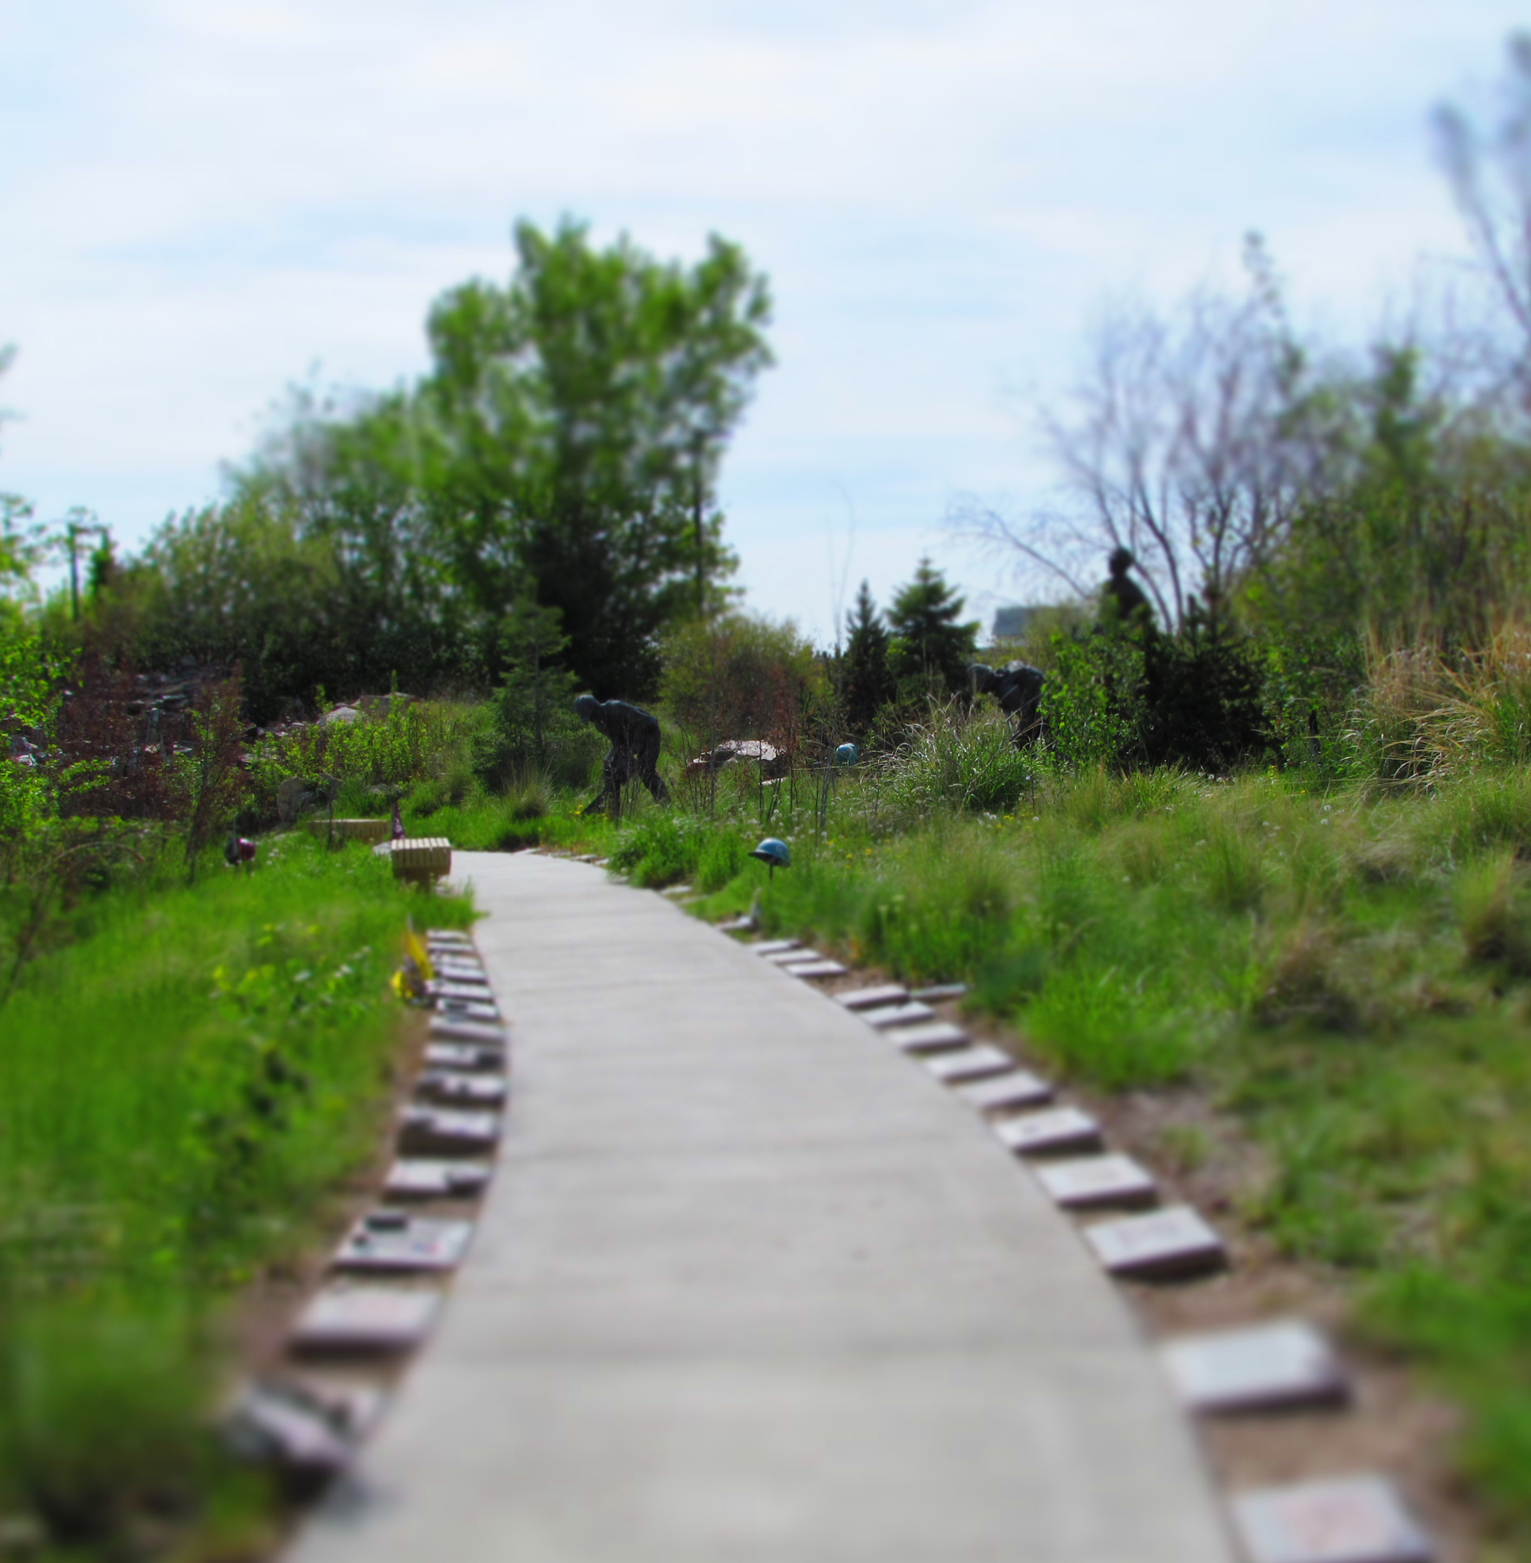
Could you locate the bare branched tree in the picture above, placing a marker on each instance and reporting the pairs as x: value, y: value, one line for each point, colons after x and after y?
x: 1178, y: 445
x: 1490, y: 174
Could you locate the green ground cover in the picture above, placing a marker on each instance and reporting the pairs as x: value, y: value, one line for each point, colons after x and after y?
x: 180, y: 1088
x: 1344, y: 968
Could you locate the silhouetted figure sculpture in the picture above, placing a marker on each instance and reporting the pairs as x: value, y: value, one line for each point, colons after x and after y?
x: 1131, y: 601
x: 634, y: 751
x: 1018, y: 688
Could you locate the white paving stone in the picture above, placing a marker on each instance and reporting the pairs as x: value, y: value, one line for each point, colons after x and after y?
x: 928, y: 1038
x: 446, y: 1131
x: 873, y: 998
x: 364, y: 1319
x: 464, y: 1055
x: 1049, y: 1132
x: 1170, y: 1242
x: 469, y: 1009
x: 941, y: 991
x: 390, y: 1240
x: 459, y: 1028
x: 968, y: 1063
x: 1087, y: 1182
x: 413, y: 1177
x: 1288, y: 1363
x: 769, y: 947
x: 1356, y: 1520
x: 457, y: 1089
x: 792, y: 955
x: 809, y: 970
x: 909, y: 1013
x: 1019, y: 1088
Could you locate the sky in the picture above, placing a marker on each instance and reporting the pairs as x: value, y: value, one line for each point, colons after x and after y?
x: 206, y: 201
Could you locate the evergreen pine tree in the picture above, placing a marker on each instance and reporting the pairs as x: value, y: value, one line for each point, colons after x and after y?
x: 868, y: 683
x: 930, y: 650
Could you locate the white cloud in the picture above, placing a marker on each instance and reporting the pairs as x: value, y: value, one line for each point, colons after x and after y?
x: 203, y: 200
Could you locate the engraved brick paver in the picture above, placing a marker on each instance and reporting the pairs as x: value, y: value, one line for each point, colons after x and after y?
x: 1169, y: 1242
x: 746, y: 1286
x: 792, y: 955
x: 1050, y: 1132
x: 929, y: 1037
x: 909, y: 1013
x: 1019, y: 1088
x: 1356, y: 1520
x: 391, y: 1240
x: 364, y: 1319
x: 458, y: 1028
x: 770, y: 947
x: 415, y: 1177
x: 816, y: 968
x: 969, y: 1063
x: 874, y: 998
x: 1287, y: 1363
x: 1090, y: 1181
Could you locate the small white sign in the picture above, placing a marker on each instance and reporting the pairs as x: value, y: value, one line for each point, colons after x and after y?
x: 1358, y: 1520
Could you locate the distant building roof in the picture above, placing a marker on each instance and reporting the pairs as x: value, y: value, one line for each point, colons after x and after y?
x: 1012, y: 623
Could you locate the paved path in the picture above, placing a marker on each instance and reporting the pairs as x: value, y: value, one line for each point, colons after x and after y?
x: 751, y: 1286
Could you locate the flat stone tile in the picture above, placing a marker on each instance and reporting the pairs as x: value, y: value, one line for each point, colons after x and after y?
x: 743, y: 924
x: 447, y: 1131
x: 792, y: 954
x: 476, y: 1056
x: 459, y: 1028
x: 1267, y: 1366
x: 1167, y: 1243
x: 1050, y: 1132
x: 1356, y: 1520
x: 272, y: 1425
x: 941, y: 991
x: 909, y: 1013
x: 676, y: 890
x: 468, y: 1009
x: 474, y: 992
x: 968, y: 1063
x: 874, y: 998
x: 1087, y: 1182
x: 390, y: 1240
x: 456, y: 1089
x: 769, y: 947
x: 459, y: 970
x: 448, y: 936
x: 815, y: 969
x: 928, y: 1038
x: 1019, y: 1088
x: 364, y: 1319
x: 424, y: 1178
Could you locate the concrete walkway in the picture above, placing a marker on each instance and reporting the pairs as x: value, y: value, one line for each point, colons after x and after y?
x: 751, y: 1286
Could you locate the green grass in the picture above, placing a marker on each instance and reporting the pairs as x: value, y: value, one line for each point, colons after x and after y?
x: 179, y: 1091
x: 1347, y: 971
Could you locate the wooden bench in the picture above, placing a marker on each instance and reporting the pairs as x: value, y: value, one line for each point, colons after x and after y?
x: 419, y: 859
x: 352, y: 829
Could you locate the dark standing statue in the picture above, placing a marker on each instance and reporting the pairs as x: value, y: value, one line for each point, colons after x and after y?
x: 1018, y: 688
x: 1132, y: 604
x: 634, y: 751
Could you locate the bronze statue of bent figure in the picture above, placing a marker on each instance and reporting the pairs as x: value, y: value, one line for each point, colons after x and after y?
x: 634, y: 751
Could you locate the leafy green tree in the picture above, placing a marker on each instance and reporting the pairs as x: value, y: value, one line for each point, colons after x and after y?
x: 868, y: 684
x: 930, y: 650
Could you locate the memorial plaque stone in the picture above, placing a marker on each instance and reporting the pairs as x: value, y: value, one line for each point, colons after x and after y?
x: 1050, y: 1132
x: 941, y: 991
x: 271, y: 1425
x: 790, y: 956
x: 364, y: 1319
x: 1356, y: 1520
x: 475, y: 1056
x: 1091, y: 1181
x: 461, y: 971
x: 472, y: 992
x: 421, y: 1178
x: 969, y: 1063
x: 390, y: 1240
x: 1019, y: 1088
x: 874, y: 998
x: 1169, y: 1242
x: 928, y: 1038
x: 458, y: 1028
x: 769, y: 947
x: 1256, y: 1369
x: 448, y: 936
x: 466, y: 1009
x: 815, y: 969
x: 446, y: 1131
x: 909, y: 1013
x: 461, y: 1090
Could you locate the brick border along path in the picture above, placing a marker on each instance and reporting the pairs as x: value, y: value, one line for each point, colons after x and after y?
x: 751, y: 1286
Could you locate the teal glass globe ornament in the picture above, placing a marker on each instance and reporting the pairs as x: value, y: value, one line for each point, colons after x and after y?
x: 847, y: 754
x: 774, y: 853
